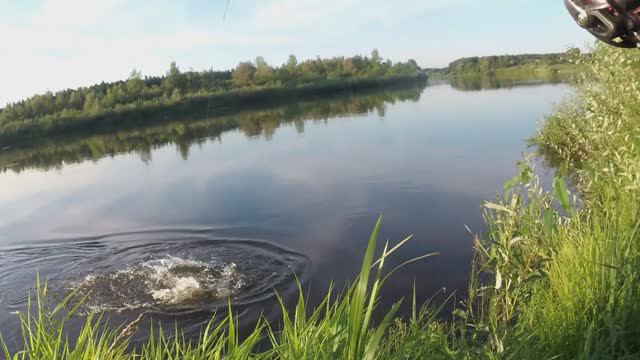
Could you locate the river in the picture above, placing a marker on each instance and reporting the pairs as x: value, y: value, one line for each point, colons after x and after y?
x: 176, y: 218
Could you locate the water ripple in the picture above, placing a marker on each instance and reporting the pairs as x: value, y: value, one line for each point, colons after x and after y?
x: 168, y: 271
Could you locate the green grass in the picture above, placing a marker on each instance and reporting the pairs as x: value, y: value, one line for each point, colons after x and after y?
x: 556, y: 274
x: 340, y: 328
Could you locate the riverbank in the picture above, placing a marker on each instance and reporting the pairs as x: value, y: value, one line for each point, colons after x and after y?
x: 513, y: 66
x: 189, y: 107
x: 510, y: 76
x: 188, y: 129
x: 554, y: 276
x: 491, y: 72
x: 572, y: 284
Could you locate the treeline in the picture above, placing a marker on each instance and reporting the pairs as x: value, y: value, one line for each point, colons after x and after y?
x: 190, y: 107
x: 488, y: 64
x: 176, y: 85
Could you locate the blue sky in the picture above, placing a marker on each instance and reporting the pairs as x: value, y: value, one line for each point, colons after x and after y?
x: 55, y: 44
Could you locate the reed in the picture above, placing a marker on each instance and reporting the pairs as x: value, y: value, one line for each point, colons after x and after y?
x: 340, y: 328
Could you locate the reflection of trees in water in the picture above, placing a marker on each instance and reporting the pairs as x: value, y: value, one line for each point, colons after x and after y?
x: 64, y: 150
x: 482, y: 81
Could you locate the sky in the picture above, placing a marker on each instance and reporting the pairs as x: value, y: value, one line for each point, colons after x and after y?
x: 56, y: 44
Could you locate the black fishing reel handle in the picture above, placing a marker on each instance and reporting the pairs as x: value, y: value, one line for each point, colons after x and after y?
x: 614, y: 22
x: 624, y: 5
x: 626, y: 10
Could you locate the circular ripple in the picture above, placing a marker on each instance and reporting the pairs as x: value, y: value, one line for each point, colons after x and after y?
x: 167, y: 271
x: 185, y: 275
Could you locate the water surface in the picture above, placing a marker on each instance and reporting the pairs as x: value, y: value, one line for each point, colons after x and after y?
x: 175, y: 218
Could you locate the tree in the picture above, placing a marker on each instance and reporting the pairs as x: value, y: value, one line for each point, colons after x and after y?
x: 375, y: 63
x: 353, y: 65
x: 264, y: 72
x: 91, y: 103
x: 375, y: 57
x: 139, y: 92
x: 333, y: 67
x: 135, y: 84
x: 174, y: 79
x: 387, y: 65
x: 283, y: 75
x: 76, y: 100
x: 408, y: 68
x: 312, y: 69
x: 173, y: 70
x: 176, y: 95
x: 243, y: 74
x: 573, y: 54
x: 61, y: 101
x: 38, y: 105
x: 136, y: 74
x: 292, y: 64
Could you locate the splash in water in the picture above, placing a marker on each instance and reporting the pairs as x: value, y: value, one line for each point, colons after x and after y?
x: 160, y: 284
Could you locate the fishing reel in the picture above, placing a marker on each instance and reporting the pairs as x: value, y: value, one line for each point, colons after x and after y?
x: 615, y: 22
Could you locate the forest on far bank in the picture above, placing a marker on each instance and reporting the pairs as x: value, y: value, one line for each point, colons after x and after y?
x: 138, y: 91
x: 491, y: 64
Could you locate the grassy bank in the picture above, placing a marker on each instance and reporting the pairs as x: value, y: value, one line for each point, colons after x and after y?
x: 495, y: 72
x: 515, y: 75
x: 526, y: 71
x: 566, y: 285
x: 513, y: 67
x: 586, y: 304
x: 555, y: 275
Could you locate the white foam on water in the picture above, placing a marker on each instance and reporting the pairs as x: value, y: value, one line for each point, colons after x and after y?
x: 184, y: 288
x: 167, y: 281
x: 231, y: 282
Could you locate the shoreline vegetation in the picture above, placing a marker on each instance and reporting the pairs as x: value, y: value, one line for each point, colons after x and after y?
x: 194, y: 94
x: 554, y: 276
x: 190, y: 130
x: 489, y: 71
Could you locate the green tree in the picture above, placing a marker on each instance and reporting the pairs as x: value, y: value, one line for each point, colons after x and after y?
x: 151, y: 92
x: 375, y: 57
x: 76, y: 100
x: 62, y: 101
x: 91, y: 103
x: 38, y: 105
x: 292, y: 64
x: 312, y: 69
x: 264, y: 72
x: 135, y: 84
x: 243, y: 74
x: 353, y: 65
x: 573, y: 54
x: 174, y: 79
x: 375, y: 64
x: 176, y: 94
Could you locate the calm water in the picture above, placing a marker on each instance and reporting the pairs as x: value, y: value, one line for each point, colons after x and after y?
x: 175, y: 218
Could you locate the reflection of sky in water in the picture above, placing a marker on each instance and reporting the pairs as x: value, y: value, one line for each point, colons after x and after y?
x: 426, y: 166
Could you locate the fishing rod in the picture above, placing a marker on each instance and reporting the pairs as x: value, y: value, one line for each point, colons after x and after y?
x: 615, y: 22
